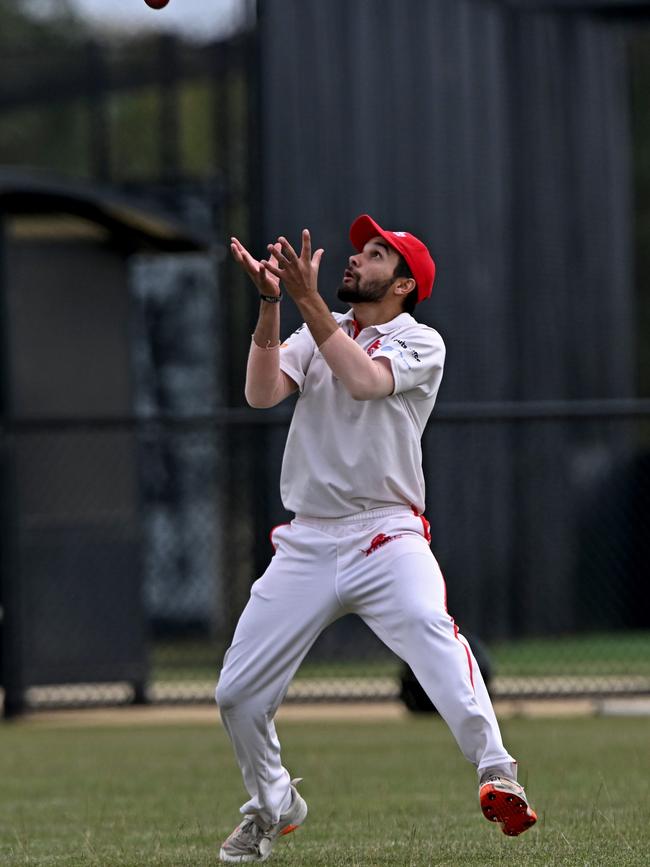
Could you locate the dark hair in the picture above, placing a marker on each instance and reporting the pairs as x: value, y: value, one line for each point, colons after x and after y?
x: 403, y: 270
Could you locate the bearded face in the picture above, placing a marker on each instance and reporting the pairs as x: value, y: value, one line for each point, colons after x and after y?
x: 370, y: 274
x: 354, y: 290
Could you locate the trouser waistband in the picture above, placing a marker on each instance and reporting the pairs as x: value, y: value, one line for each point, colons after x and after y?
x: 358, y: 517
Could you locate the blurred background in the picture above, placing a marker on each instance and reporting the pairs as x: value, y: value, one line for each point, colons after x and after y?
x: 137, y: 488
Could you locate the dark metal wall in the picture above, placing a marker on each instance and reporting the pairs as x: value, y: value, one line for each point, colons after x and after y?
x: 71, y: 529
x: 500, y: 136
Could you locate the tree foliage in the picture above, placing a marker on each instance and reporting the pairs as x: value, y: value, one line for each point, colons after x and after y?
x: 38, y: 25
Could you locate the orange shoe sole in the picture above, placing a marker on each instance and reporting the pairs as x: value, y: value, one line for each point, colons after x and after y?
x: 511, y: 811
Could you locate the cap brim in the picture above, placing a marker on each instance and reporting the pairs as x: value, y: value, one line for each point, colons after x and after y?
x: 363, y: 230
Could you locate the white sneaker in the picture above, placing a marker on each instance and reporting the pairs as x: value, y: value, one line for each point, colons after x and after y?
x: 252, y: 841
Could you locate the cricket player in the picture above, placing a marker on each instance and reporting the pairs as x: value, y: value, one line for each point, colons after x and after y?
x: 359, y: 542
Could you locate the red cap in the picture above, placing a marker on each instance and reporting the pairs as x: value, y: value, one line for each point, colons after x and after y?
x: 411, y: 248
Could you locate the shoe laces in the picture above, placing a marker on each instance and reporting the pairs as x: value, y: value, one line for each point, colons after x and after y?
x: 493, y: 778
x: 249, y: 835
x: 505, y: 783
x: 489, y: 775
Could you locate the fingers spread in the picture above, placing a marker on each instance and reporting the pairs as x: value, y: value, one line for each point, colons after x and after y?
x: 318, y: 255
x: 276, y: 255
x: 305, y: 253
x: 236, y: 244
x: 236, y: 248
x: 244, y: 258
x: 274, y: 250
x: 271, y: 268
x: 287, y: 250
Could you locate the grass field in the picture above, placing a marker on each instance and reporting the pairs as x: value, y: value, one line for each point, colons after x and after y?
x: 380, y: 793
x: 598, y: 653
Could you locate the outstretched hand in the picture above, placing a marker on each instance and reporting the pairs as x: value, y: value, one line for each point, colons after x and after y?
x: 265, y: 281
x: 298, y: 273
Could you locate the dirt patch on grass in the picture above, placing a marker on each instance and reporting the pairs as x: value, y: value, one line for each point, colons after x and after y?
x: 308, y: 712
x: 209, y: 715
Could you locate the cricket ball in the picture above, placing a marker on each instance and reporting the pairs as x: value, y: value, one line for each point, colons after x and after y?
x: 156, y: 4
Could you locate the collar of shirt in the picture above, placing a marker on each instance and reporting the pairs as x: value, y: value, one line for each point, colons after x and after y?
x: 399, y: 321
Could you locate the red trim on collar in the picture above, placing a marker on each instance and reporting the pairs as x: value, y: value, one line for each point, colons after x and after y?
x: 356, y: 329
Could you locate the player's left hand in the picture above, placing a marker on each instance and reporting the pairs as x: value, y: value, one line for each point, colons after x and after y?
x: 299, y: 274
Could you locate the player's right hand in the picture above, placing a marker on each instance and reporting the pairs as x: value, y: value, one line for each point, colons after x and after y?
x: 265, y: 282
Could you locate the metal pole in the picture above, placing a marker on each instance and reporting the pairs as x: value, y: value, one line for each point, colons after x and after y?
x: 237, y: 565
x: 96, y: 89
x: 11, y: 662
x: 255, y: 198
x: 170, y: 159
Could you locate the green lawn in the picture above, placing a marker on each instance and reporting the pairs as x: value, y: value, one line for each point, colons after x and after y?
x: 380, y: 793
x: 599, y: 654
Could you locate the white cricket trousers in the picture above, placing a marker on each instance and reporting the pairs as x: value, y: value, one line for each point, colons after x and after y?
x: 375, y: 564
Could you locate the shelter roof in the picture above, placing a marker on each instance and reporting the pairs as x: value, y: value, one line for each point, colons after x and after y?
x: 130, y: 222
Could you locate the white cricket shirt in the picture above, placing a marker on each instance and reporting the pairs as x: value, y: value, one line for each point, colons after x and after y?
x: 345, y: 456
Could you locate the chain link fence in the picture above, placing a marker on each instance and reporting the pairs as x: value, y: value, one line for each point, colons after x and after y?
x: 129, y: 544
x: 137, y: 541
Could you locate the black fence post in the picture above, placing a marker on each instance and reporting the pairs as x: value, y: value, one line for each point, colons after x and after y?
x: 97, y: 87
x: 11, y: 662
x: 11, y: 667
x: 169, y: 132
x: 255, y: 198
x: 237, y: 299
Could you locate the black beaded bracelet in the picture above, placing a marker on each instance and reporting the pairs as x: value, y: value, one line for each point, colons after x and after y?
x: 271, y: 299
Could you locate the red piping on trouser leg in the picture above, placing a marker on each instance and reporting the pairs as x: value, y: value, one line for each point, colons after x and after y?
x: 469, y: 656
x: 456, y: 631
x: 426, y: 526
